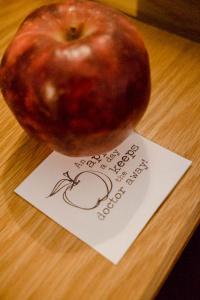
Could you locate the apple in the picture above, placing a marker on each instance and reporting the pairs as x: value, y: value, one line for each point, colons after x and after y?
x: 73, y: 189
x: 76, y: 76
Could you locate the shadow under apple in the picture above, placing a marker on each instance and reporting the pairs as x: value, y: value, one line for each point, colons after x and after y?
x: 22, y: 162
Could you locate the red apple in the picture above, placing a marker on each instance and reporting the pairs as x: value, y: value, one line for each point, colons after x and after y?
x: 76, y: 76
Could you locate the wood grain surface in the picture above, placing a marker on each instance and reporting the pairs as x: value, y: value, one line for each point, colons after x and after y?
x: 41, y: 260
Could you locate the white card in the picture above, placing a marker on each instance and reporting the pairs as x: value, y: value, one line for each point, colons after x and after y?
x: 105, y: 200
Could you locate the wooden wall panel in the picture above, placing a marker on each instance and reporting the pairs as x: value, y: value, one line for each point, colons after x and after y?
x: 179, y: 16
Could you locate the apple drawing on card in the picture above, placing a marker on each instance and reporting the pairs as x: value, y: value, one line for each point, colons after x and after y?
x: 73, y: 189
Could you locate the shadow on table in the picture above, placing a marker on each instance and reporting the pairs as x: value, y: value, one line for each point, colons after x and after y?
x: 23, y: 160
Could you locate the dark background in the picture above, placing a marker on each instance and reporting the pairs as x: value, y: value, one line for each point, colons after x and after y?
x: 184, y: 280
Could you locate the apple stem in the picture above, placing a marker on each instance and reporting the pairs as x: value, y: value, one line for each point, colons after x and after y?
x: 73, y: 33
x: 73, y: 181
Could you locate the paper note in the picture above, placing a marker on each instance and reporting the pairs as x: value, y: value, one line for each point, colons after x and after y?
x: 105, y: 200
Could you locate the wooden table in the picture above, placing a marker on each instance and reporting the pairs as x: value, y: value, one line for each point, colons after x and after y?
x: 41, y: 260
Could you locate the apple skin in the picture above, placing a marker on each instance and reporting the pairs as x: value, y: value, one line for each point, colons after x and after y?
x: 76, y: 76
